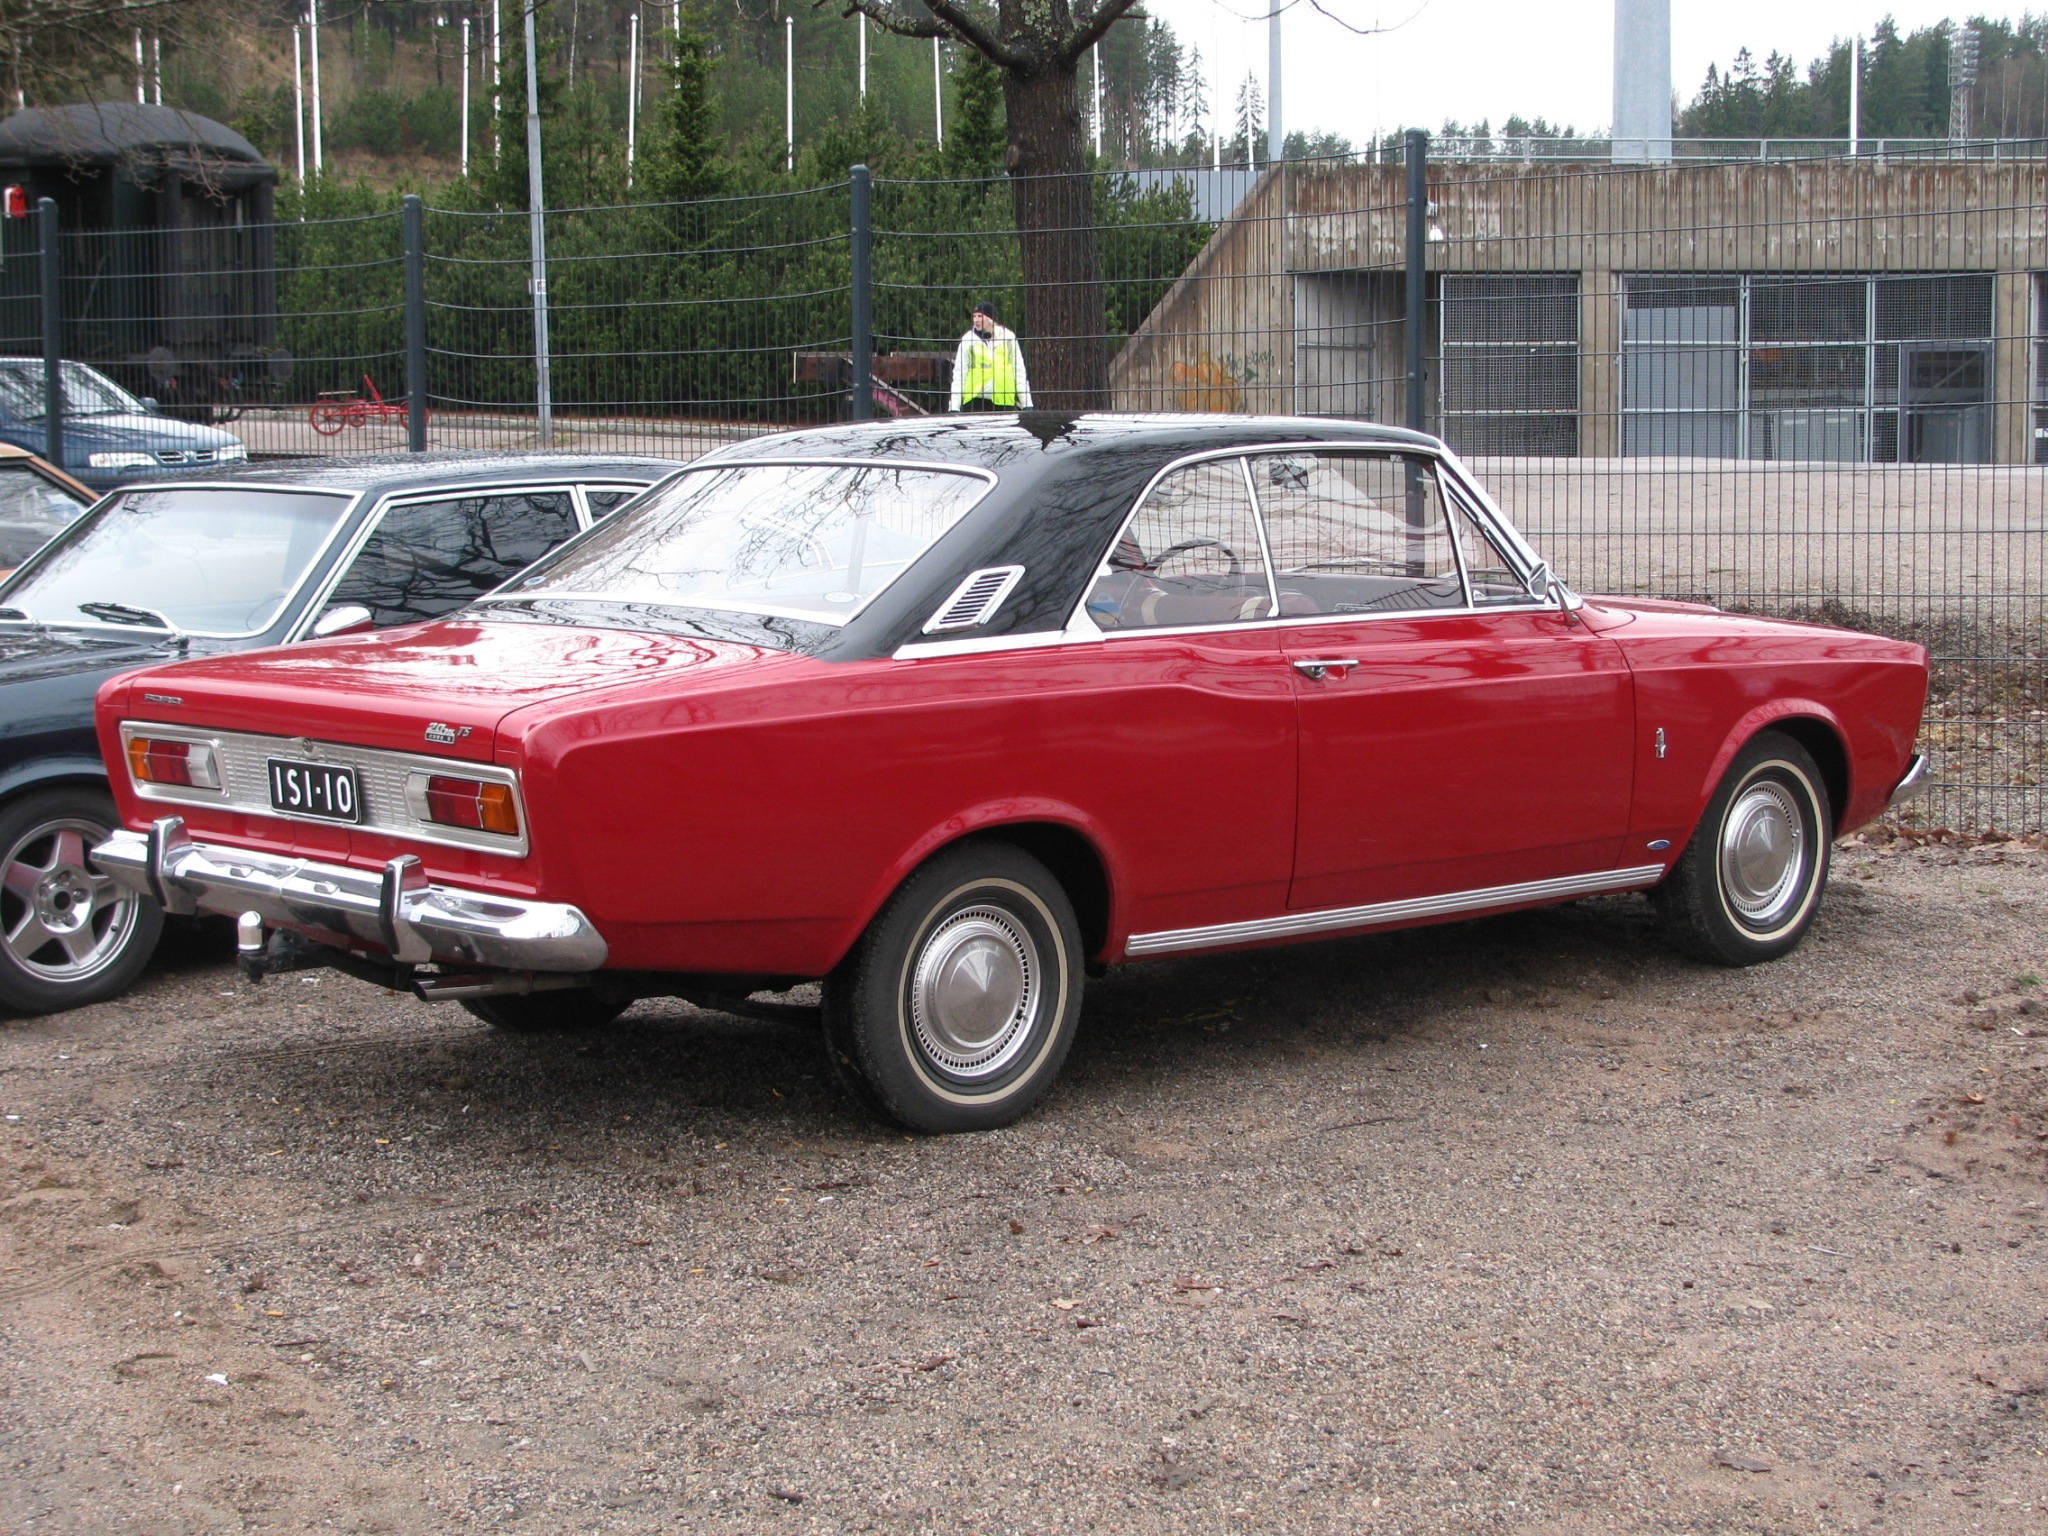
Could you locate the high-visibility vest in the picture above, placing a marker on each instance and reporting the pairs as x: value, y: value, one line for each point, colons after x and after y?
x: 991, y: 370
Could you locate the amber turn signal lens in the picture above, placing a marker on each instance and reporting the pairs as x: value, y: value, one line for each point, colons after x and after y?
x: 189, y: 764
x: 473, y: 804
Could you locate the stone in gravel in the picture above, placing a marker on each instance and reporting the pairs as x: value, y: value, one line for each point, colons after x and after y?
x: 1742, y: 1462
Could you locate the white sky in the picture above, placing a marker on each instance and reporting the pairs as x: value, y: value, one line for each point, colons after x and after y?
x: 1472, y: 59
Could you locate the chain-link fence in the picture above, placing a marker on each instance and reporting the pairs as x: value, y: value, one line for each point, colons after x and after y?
x: 1808, y: 387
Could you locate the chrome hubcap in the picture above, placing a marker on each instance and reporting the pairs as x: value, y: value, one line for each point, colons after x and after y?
x: 1763, y: 854
x: 975, y: 992
x: 60, y: 920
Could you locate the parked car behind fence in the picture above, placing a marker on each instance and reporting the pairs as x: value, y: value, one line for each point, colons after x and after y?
x: 196, y: 568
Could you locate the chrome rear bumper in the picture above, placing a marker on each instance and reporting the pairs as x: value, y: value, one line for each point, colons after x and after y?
x: 1913, y: 785
x: 394, y: 907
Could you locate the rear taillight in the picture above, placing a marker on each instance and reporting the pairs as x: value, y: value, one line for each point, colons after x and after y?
x: 190, y: 764
x: 476, y: 804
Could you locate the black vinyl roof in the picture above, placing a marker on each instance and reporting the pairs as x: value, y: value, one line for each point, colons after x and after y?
x: 1011, y: 441
x: 1063, y: 486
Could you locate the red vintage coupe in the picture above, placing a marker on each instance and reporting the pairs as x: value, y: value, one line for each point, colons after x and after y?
x: 947, y: 714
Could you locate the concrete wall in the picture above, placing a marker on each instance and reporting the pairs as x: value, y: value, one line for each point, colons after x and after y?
x: 1226, y: 336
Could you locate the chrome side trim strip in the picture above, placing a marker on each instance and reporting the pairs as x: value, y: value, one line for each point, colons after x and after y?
x: 1337, y: 919
x: 394, y: 907
x: 1917, y: 781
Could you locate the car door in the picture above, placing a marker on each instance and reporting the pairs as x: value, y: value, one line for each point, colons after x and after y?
x: 1189, y: 719
x: 429, y: 555
x: 1455, y: 735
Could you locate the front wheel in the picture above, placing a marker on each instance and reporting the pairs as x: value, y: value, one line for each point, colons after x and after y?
x: 957, y: 1007
x: 326, y: 416
x: 68, y: 934
x: 1748, y: 884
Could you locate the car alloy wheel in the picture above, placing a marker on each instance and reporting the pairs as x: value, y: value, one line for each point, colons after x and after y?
x: 69, y: 935
x: 1750, y: 880
x: 957, y: 1007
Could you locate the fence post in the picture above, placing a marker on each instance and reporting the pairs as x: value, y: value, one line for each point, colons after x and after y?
x: 53, y: 334
x: 1418, y: 286
x: 863, y: 316
x: 415, y: 324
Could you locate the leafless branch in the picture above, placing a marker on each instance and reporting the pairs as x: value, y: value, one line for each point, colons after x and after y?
x: 942, y: 18
x: 1093, y: 25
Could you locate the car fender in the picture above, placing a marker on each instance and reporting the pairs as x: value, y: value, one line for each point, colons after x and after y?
x: 1760, y: 718
x: 992, y: 816
x: 42, y: 771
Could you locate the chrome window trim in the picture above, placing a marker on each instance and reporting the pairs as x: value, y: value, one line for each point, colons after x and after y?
x: 352, y: 500
x: 585, y: 487
x: 1251, y: 491
x: 1102, y: 566
x: 310, y: 614
x: 1481, y: 502
x: 1080, y: 630
x: 988, y: 478
x: 406, y: 821
x: 1457, y: 559
x: 1490, y: 516
x: 1172, y: 941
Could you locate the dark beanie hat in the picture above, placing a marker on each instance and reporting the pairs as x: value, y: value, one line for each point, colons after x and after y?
x: 986, y: 308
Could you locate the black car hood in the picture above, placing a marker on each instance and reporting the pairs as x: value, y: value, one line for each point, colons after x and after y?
x: 48, y: 677
x: 36, y: 653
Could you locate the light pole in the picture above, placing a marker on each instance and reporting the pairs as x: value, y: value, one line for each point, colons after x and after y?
x: 537, y: 239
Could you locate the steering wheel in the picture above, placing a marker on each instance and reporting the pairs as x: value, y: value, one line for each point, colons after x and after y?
x: 1166, y: 554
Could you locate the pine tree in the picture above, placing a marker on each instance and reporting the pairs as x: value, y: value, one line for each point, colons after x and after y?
x: 504, y: 183
x: 687, y: 154
x: 976, y: 144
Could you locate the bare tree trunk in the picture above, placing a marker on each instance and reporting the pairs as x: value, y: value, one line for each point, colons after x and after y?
x: 1053, y: 196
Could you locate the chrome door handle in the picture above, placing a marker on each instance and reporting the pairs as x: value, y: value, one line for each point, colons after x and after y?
x: 1322, y: 667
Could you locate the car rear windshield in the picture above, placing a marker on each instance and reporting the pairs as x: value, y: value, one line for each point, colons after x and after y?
x: 211, y: 562
x: 797, y: 541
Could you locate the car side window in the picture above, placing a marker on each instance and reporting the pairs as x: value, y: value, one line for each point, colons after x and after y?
x: 607, y: 499
x: 32, y: 512
x: 1356, y: 533
x: 428, y: 558
x: 1191, y: 556
x: 1489, y: 573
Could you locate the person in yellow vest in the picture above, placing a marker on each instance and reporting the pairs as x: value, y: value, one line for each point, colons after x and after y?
x: 988, y: 370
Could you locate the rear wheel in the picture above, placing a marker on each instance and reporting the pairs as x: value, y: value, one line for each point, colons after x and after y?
x: 1748, y: 884
x: 957, y: 1007
x: 326, y: 416
x: 529, y: 1013
x: 68, y: 934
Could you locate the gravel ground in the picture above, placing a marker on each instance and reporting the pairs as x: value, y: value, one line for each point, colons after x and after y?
x: 1517, y: 1226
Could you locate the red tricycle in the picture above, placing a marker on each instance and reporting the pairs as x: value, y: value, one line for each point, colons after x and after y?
x: 338, y: 408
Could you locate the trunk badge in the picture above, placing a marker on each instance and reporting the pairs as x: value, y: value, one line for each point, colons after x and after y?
x: 446, y: 735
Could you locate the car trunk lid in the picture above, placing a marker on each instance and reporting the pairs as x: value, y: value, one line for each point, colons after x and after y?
x: 437, y: 688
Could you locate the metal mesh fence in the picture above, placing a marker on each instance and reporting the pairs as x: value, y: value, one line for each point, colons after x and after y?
x: 1799, y: 386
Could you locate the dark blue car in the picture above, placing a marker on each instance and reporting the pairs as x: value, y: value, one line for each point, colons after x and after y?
x: 110, y: 437
x: 195, y: 567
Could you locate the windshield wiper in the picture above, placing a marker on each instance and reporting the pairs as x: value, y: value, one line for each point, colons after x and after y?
x: 122, y: 613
